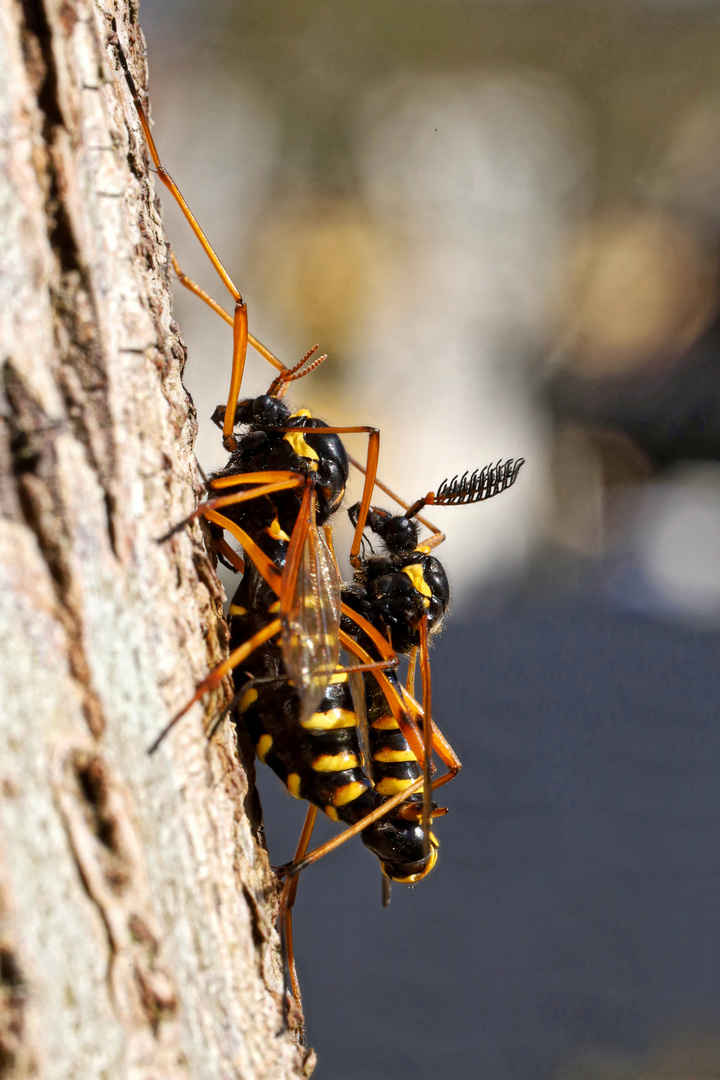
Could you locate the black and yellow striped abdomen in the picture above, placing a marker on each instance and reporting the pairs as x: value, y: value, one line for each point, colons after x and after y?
x: 394, y: 766
x: 319, y: 757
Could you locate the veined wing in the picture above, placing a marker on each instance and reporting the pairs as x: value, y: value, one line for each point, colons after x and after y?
x: 357, y: 691
x: 311, y: 631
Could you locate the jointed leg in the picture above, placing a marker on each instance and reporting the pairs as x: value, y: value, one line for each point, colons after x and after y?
x: 167, y: 178
x: 436, y: 539
x: 352, y: 830
x: 287, y: 901
x: 268, y: 484
x: 198, y: 291
x: 427, y: 734
x: 410, y: 680
x: 216, y: 676
x: 240, y: 321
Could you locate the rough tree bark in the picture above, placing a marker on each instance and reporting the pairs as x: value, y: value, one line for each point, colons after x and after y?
x: 136, y: 904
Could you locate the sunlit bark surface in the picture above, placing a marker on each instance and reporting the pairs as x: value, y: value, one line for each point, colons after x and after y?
x: 136, y: 906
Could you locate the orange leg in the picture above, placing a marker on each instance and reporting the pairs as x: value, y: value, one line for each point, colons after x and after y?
x: 234, y: 499
x: 218, y: 674
x: 240, y: 325
x: 432, y: 542
x: 287, y: 902
x: 264, y: 477
x: 223, y: 548
x: 293, y: 869
x: 264, y: 565
x: 207, y: 299
x: 167, y: 178
x: 240, y: 344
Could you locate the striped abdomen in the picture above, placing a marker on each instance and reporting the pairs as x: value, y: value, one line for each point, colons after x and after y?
x: 320, y: 758
x: 393, y: 765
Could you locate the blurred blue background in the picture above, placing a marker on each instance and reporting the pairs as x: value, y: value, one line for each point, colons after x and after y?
x: 501, y: 221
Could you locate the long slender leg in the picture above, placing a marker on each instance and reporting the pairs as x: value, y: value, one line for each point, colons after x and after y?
x: 410, y: 680
x: 240, y: 344
x: 237, y: 497
x: 165, y: 175
x: 287, y: 902
x: 198, y: 291
x: 427, y: 733
x: 264, y: 565
x: 240, y: 322
x: 436, y: 539
x: 217, y: 674
x: 263, y: 477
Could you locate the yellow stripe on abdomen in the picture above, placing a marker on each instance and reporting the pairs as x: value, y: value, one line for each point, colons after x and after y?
x: 394, y: 755
x: 348, y: 792
x: 293, y: 784
x: 391, y: 785
x: 335, y: 762
x: 263, y: 747
x: 385, y: 723
x: 249, y: 698
x: 330, y: 720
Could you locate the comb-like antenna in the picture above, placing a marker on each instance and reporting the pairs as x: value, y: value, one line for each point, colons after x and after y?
x: 279, y: 385
x: 481, y: 485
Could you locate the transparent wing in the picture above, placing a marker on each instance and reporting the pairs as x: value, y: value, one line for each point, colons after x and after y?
x: 311, y: 633
x: 357, y: 690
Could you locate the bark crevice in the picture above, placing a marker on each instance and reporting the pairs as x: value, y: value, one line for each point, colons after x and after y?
x: 137, y: 904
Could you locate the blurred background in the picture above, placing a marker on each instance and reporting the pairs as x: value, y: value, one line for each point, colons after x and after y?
x: 502, y: 222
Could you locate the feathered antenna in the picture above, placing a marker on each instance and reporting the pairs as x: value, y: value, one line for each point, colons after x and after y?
x: 481, y: 485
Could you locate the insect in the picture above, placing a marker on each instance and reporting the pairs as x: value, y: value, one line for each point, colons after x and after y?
x: 285, y: 478
x: 404, y: 594
x: 270, y: 469
x: 320, y: 755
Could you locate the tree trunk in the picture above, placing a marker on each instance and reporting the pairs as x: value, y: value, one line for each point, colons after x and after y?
x: 136, y: 902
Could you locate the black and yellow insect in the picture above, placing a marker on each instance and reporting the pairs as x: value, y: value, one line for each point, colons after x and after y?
x: 285, y: 478
x: 404, y: 593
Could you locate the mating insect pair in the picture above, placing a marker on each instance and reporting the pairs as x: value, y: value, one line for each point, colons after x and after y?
x: 291, y: 615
